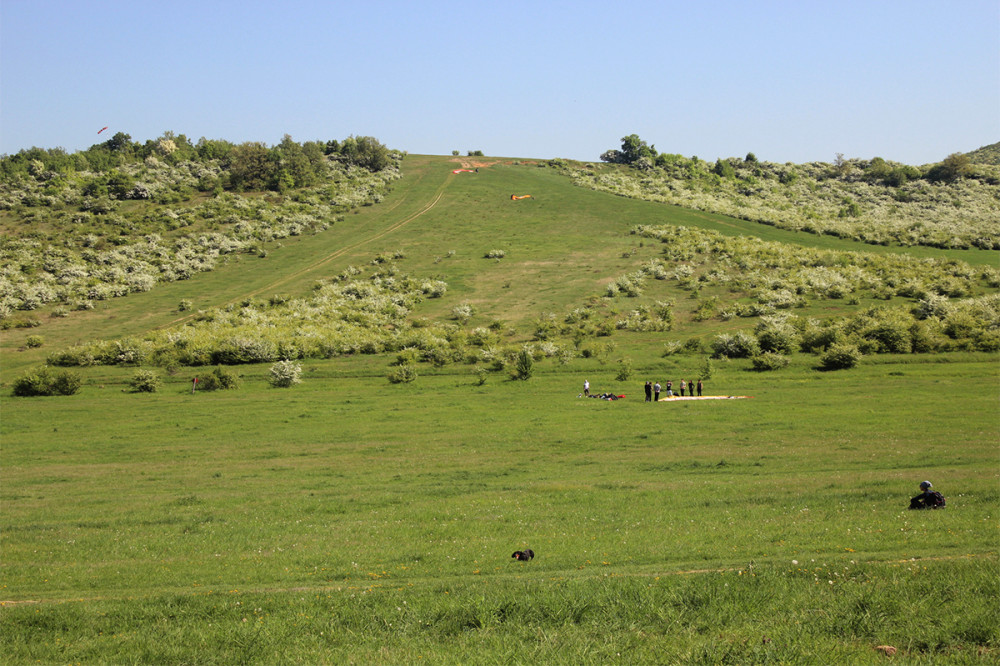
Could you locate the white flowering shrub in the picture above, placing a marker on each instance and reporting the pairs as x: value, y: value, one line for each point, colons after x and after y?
x: 859, y: 201
x: 735, y: 345
x: 463, y: 312
x: 284, y: 374
x: 83, y: 260
x: 145, y: 381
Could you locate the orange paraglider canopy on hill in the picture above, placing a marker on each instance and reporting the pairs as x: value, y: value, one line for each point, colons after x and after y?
x: 515, y: 197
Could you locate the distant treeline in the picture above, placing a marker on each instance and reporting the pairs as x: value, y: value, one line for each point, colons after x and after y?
x: 638, y: 153
x: 951, y: 204
x: 244, y: 166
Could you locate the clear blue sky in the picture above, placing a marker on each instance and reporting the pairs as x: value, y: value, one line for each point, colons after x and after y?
x: 791, y: 81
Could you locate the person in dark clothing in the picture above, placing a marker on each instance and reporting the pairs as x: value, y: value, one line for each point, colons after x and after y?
x: 699, y: 388
x: 649, y: 391
x: 927, y: 499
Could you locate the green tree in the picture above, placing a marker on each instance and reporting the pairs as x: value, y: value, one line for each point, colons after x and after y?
x: 524, y: 366
x: 294, y: 167
x: 365, y: 151
x: 706, y: 370
x: 210, y: 149
x: 119, y: 184
x: 953, y: 167
x: 633, y: 148
x: 120, y: 143
x: 250, y: 167
x: 724, y: 169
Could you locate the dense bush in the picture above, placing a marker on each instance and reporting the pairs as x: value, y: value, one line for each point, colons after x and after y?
x: 840, y: 357
x: 948, y: 205
x: 42, y: 381
x: 735, y: 345
x: 285, y: 374
x: 402, y: 374
x: 218, y: 379
x: 769, y: 361
x: 145, y: 381
x: 524, y: 365
x: 777, y: 335
x: 624, y: 370
x: 98, y: 251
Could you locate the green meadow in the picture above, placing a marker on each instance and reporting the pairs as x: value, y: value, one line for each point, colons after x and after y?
x: 348, y: 519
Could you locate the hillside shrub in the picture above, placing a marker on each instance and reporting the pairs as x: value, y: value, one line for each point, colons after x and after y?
x: 434, y: 288
x: 463, y: 312
x: 285, y: 374
x: 523, y: 364
x: 840, y: 357
x: 624, y: 370
x: 42, y: 381
x: 218, y: 379
x: 407, y: 356
x: 769, y: 361
x: 735, y: 345
x: 671, y: 347
x: 495, y: 254
x: 884, y: 204
x: 403, y: 374
x: 34, y: 341
x: 144, y: 381
x: 777, y: 336
x: 238, y: 350
x: 694, y: 345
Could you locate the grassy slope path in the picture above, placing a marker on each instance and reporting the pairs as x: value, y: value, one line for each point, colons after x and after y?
x: 291, y: 268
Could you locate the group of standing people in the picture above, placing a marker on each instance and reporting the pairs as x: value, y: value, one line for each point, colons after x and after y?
x: 686, y: 388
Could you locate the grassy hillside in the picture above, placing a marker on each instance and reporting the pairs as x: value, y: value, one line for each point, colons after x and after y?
x: 952, y: 203
x: 986, y: 155
x: 348, y: 518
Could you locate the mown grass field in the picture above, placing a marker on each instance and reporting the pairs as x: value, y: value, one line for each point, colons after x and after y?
x: 351, y: 520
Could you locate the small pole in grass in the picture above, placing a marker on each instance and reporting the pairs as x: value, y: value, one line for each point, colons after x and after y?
x: 194, y: 384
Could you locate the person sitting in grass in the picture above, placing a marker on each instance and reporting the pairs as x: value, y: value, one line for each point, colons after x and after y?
x: 927, y: 499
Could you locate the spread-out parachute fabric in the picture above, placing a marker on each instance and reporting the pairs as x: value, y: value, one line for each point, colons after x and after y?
x: 678, y: 398
x: 461, y: 170
x: 515, y: 197
x: 102, y: 129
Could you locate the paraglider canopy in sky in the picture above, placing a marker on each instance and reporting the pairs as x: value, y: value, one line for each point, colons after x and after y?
x: 102, y: 129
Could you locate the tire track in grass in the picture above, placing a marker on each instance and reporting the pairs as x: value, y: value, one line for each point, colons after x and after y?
x: 333, y: 255
x: 347, y: 248
x: 552, y: 575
